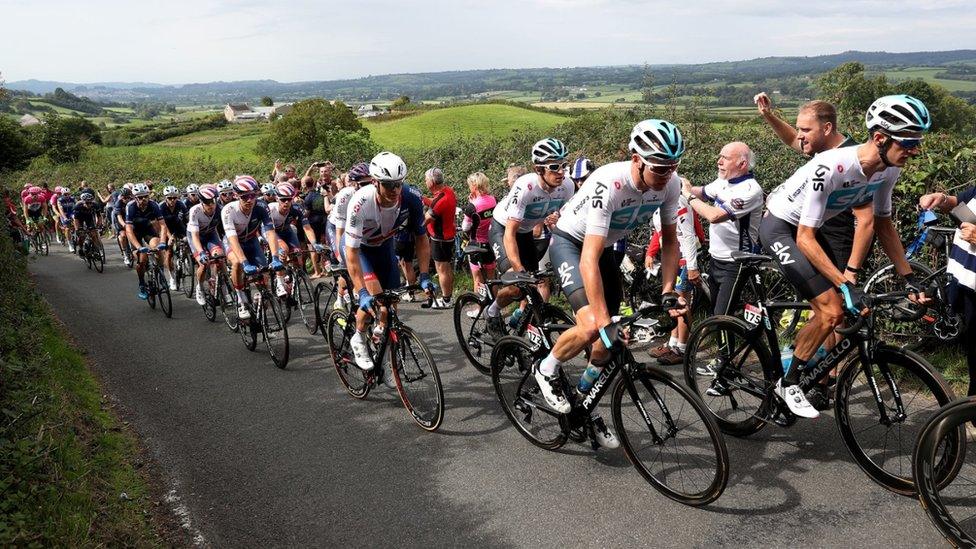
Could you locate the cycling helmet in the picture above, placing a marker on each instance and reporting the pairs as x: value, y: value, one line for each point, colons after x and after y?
x: 582, y: 168
x: 225, y: 186
x: 359, y: 173
x: 87, y: 197
x: 268, y: 188
x: 657, y: 141
x: 171, y: 191
x: 285, y: 190
x: 35, y: 190
x: 548, y: 150
x: 208, y: 192
x: 192, y: 188
x: 65, y: 190
x: 128, y: 186
x: 140, y: 189
x: 126, y: 193
x: 898, y: 113
x: 387, y: 166
x: 245, y: 184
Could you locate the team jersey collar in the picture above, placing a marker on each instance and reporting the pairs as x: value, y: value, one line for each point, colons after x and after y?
x: 741, y: 178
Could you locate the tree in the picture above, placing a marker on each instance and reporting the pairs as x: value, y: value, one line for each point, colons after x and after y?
x: 647, y: 86
x: 267, y: 101
x: 65, y: 138
x: 851, y: 93
x: 948, y: 112
x: 401, y: 101
x: 307, y: 126
x: 15, y: 148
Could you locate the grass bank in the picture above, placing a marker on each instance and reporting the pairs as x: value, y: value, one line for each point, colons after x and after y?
x: 68, y: 468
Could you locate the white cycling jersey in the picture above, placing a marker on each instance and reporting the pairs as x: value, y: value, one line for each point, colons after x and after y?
x: 742, y: 198
x: 610, y: 205
x: 369, y: 224
x: 245, y: 226
x: 200, y: 222
x: 530, y: 202
x: 341, y: 207
x: 829, y: 184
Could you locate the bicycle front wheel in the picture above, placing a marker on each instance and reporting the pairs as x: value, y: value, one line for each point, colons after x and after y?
x: 275, y: 330
x: 417, y: 379
x: 519, y: 394
x: 165, y: 301
x: 338, y: 328
x: 948, y: 500
x: 185, y: 277
x: 670, y: 437
x: 306, y: 301
x: 881, y: 435
x: 471, y: 329
x: 98, y: 255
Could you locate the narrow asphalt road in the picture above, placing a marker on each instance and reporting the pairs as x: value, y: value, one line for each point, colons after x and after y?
x: 263, y: 457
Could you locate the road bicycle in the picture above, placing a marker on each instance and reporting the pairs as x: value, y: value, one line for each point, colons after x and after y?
x: 882, y: 395
x: 666, y: 431
x: 267, y: 319
x: 157, y: 289
x: 40, y: 240
x: 326, y: 296
x: 184, y: 267
x: 217, y: 290
x: 395, y: 350
x: 471, y: 317
x: 300, y: 295
x: 92, y: 251
x: 947, y: 495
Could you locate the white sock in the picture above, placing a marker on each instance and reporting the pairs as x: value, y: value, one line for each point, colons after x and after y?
x: 494, y: 309
x: 673, y: 342
x: 548, y: 365
x: 681, y: 347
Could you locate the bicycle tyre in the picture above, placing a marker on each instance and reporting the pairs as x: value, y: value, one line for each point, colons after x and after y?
x: 99, y: 256
x: 282, y: 302
x: 306, y: 301
x: 151, y: 289
x: 727, y: 409
x: 274, y: 329
x: 185, y: 277
x: 915, y: 330
x: 518, y: 393
x: 211, y: 299
x: 227, y: 302
x: 893, y: 474
x: 165, y: 300
x: 473, y: 340
x: 338, y: 328
x: 716, y: 475
x: 951, y: 418
x: 425, y: 403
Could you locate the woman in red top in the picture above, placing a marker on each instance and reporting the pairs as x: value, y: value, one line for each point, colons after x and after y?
x: 440, y: 220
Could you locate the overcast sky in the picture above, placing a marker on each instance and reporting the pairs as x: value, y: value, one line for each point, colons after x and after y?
x: 181, y: 41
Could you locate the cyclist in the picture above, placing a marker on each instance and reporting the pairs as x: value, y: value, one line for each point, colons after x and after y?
x: 580, y: 170
x: 441, y: 226
x: 533, y: 198
x: 375, y: 213
x: 203, y: 237
x: 192, y: 197
x: 242, y: 220
x: 118, y: 223
x: 358, y: 177
x: 144, y: 228
x: 267, y: 194
x: 65, y: 207
x: 285, y: 216
x: 832, y: 182
x: 477, y: 220
x: 85, y: 220
x: 34, y: 206
x: 614, y: 200
x: 174, y: 213
x: 225, y: 192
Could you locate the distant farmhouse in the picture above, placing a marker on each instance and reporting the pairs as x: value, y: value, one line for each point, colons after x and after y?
x: 369, y: 111
x: 242, y: 112
x: 29, y: 120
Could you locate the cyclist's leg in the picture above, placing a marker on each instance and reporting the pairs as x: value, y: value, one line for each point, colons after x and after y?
x: 527, y: 255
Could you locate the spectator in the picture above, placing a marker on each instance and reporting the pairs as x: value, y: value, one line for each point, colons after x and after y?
x: 440, y: 218
x: 476, y: 222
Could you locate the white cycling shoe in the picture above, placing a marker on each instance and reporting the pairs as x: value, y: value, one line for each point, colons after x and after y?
x: 243, y: 312
x: 201, y: 300
x: 552, y: 390
x: 794, y: 398
x: 360, y: 352
x: 604, y: 436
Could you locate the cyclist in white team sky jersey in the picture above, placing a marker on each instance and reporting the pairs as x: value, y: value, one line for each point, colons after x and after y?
x: 832, y: 182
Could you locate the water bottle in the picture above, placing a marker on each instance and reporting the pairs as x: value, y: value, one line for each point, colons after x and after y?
x: 787, y: 355
x: 588, y: 378
x: 513, y: 320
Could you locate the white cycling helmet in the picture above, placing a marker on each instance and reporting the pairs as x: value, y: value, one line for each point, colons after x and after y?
x: 192, y: 188
x: 140, y: 189
x: 657, y: 141
x: 387, y: 166
x: 548, y: 150
x: 129, y: 186
x: 268, y: 188
x: 225, y: 186
x: 898, y: 113
x: 171, y: 191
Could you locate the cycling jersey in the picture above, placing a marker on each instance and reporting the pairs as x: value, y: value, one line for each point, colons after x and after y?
x: 202, y: 223
x: 477, y: 217
x: 142, y: 219
x: 340, y: 210
x: 368, y: 224
x: 829, y: 184
x: 742, y: 198
x: 283, y: 220
x: 34, y: 202
x: 443, y: 208
x: 85, y: 214
x: 67, y: 203
x: 530, y: 202
x: 245, y: 226
x: 174, y: 216
x: 610, y: 205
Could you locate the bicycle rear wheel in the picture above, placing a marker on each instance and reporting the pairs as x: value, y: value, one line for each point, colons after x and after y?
x: 722, y: 357
x: 227, y: 299
x: 339, y: 327
x: 670, y: 436
x: 185, y: 277
x: 306, y: 301
x: 417, y: 379
x: 165, y: 301
x: 471, y: 329
x: 882, y: 446
x: 98, y: 255
x: 275, y: 330
x: 948, y: 500
x: 519, y: 395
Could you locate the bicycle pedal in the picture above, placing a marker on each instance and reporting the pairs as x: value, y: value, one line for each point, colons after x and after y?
x: 784, y: 419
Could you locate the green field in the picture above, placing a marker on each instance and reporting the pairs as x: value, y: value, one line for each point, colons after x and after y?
x: 928, y: 74
x: 232, y: 142
x: 433, y: 128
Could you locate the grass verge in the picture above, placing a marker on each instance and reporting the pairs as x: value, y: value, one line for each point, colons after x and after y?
x: 68, y: 468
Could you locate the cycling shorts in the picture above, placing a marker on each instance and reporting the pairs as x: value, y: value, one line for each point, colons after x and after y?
x: 778, y: 239
x: 143, y: 237
x: 406, y: 250
x: 565, y: 254
x: 441, y: 250
x: 253, y: 252
x: 33, y: 214
x: 527, y: 251
x: 379, y: 263
x: 86, y: 221
x: 289, y: 236
x: 210, y: 241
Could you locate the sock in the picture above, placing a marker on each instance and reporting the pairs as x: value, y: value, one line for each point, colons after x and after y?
x: 241, y: 296
x: 548, y: 365
x: 142, y: 279
x: 673, y: 342
x: 681, y: 347
x: 357, y: 337
x: 494, y: 309
x: 793, y: 376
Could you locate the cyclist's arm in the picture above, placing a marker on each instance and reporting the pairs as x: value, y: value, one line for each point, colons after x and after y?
x: 688, y: 240
x: 422, y: 247
x: 162, y: 229
x: 130, y: 233
x: 806, y: 240
x: 891, y: 244
x: 511, y: 245
x: 235, y: 246
x: 863, y: 233
x: 355, y: 268
x: 593, y: 245
x: 197, y: 243
x: 670, y: 255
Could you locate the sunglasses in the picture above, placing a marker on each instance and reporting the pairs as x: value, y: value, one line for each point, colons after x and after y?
x: 662, y: 169
x: 226, y: 193
x: 557, y: 167
x: 907, y: 143
x: 142, y: 198
x: 391, y: 184
x: 170, y: 198
x: 282, y: 199
x: 206, y: 202
x: 248, y: 196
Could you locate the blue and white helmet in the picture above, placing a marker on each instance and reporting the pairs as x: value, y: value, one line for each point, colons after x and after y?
x: 581, y: 168
x: 898, y: 113
x: 548, y: 150
x: 657, y: 141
